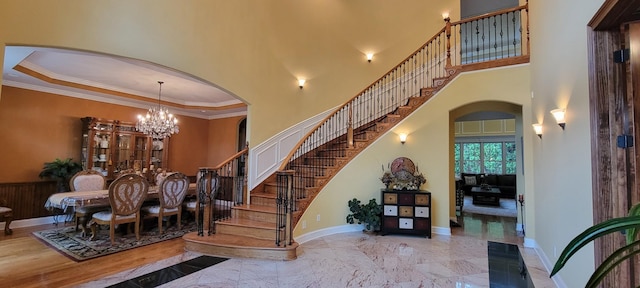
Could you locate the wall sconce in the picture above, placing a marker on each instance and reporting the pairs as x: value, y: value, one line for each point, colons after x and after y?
x: 538, y: 129
x: 559, y: 115
x: 445, y: 16
x: 369, y: 57
x: 403, y: 137
x: 301, y: 82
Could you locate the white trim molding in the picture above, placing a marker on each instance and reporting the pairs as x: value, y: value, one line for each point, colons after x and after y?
x: 266, y: 157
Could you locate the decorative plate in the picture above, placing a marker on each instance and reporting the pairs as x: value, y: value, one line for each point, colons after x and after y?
x: 402, y: 164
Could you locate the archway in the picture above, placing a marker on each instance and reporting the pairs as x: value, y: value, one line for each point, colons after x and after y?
x: 492, y: 119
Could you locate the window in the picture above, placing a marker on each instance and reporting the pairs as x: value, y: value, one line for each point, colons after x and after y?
x: 491, y: 157
x: 471, y: 157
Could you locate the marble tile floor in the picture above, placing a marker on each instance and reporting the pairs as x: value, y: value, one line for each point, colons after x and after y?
x: 170, y: 273
x: 358, y: 259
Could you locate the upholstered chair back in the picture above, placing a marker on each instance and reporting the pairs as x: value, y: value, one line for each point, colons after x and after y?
x: 87, y: 180
x: 172, y: 190
x: 127, y: 193
x: 161, y: 176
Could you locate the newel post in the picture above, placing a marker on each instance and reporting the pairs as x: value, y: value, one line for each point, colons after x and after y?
x: 447, y: 31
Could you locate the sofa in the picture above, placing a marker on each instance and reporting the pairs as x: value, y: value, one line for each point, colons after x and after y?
x: 505, y: 182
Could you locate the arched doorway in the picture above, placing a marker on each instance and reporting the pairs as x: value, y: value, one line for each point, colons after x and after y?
x: 486, y: 147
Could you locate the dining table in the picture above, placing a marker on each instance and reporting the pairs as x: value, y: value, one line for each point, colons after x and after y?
x: 67, y: 202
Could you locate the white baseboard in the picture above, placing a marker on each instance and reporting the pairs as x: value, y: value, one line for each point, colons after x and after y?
x: 30, y: 222
x: 519, y: 227
x: 546, y: 262
x: 354, y: 228
x: 445, y: 231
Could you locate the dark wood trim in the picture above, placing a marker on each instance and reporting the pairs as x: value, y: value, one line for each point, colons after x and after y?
x: 612, y: 111
x: 495, y: 63
x: 615, y: 12
x: 27, y: 199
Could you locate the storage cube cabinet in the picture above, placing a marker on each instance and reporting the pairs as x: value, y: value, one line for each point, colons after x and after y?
x: 406, y: 212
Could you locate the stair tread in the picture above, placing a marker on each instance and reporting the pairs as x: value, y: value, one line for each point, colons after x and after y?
x: 263, y: 194
x: 228, y: 240
x: 259, y: 208
x: 248, y: 223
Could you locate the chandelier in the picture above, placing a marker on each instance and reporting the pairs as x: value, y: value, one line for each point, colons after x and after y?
x: 158, y: 123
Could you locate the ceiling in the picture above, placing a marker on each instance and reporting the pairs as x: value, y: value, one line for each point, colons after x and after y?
x: 116, y: 80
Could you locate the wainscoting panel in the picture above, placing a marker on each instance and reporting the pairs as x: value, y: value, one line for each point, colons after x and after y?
x: 27, y: 199
x: 265, y: 158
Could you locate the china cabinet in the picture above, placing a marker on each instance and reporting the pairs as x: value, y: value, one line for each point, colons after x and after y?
x: 111, y: 146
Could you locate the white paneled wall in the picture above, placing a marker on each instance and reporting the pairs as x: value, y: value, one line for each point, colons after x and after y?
x: 266, y: 157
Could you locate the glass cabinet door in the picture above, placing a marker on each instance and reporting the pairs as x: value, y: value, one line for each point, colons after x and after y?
x: 101, y: 156
x: 124, y: 155
x: 141, y: 152
x: 157, y: 154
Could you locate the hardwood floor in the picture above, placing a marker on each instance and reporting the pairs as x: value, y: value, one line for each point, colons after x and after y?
x: 27, y: 262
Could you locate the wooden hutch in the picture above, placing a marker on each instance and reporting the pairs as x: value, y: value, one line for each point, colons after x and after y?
x: 111, y: 146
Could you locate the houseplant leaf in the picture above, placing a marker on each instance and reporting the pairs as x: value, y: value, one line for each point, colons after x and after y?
x: 632, y: 233
x: 61, y: 171
x: 611, y: 262
x: 591, y: 233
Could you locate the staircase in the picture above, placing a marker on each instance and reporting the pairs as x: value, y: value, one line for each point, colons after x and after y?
x: 263, y: 228
x: 251, y: 230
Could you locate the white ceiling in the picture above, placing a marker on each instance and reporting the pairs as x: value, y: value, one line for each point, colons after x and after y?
x: 115, y: 80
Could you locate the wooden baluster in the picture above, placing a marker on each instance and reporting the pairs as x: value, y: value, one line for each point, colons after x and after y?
x: 350, y: 127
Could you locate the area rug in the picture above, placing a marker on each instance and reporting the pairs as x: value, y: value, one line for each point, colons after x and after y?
x: 507, y: 208
x: 71, y: 243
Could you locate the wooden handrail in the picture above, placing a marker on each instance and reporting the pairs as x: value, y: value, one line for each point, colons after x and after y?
x: 429, y: 58
x: 228, y: 160
x: 492, y: 14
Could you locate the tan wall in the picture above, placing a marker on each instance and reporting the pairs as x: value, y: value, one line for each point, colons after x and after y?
x: 224, y: 133
x: 38, y: 127
x: 428, y: 145
x: 562, y: 157
x: 255, y: 49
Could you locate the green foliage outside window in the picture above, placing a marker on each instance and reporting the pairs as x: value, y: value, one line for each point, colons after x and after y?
x: 485, y: 157
x: 492, y: 158
x: 471, y: 158
x: 456, y: 151
x: 510, y: 161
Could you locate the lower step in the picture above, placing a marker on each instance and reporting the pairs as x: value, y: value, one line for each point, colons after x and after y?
x: 243, y: 227
x: 238, y: 247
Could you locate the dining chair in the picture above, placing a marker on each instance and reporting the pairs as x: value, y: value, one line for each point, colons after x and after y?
x: 191, y: 206
x: 161, y: 175
x: 171, y: 192
x: 6, y: 216
x: 87, y: 180
x: 126, y: 194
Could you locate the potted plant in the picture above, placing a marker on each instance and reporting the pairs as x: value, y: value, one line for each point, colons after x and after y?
x: 630, y: 225
x: 61, y: 171
x: 369, y: 214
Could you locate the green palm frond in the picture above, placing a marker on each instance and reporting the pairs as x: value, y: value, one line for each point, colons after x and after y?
x: 592, y: 233
x: 632, y: 233
x: 612, y: 261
